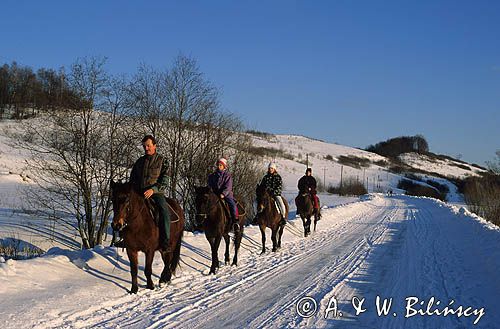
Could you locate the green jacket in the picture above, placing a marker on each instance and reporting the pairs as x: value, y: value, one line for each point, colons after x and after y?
x: 150, y: 172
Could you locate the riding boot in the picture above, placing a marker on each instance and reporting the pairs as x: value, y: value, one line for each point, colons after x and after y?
x: 165, y: 245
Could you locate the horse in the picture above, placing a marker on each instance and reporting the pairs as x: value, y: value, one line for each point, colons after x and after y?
x: 131, y: 216
x: 305, y: 208
x: 269, y: 216
x: 215, y: 219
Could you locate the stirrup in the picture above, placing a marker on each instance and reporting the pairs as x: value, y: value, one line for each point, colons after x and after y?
x: 119, y: 244
x: 236, y: 227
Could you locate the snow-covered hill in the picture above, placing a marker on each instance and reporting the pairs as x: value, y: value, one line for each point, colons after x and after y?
x: 331, y: 162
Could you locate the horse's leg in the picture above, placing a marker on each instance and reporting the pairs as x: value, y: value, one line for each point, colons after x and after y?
x: 304, y: 223
x: 214, y: 244
x: 226, y: 253
x: 316, y: 216
x: 166, y: 274
x: 237, y: 241
x: 132, y: 257
x: 148, y: 270
x: 308, y: 225
x: 280, y: 234
x: 274, y: 231
x: 263, y: 233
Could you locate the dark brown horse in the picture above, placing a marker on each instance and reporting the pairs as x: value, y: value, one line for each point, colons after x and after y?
x: 212, y: 214
x: 140, y: 233
x: 305, y: 208
x: 269, y: 216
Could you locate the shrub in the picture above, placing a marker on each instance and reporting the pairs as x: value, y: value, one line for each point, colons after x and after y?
x: 11, y: 248
x: 482, y: 195
x: 416, y: 189
x: 353, y: 161
x: 381, y: 163
x: 442, y: 188
x: 270, y: 152
x: 461, y: 166
x: 329, y: 157
x: 413, y: 177
x: 260, y: 134
x: 350, y: 186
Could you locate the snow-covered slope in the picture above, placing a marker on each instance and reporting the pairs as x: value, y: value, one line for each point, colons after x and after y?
x: 365, y: 247
x: 399, y: 247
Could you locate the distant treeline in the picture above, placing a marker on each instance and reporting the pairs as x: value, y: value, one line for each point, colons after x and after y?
x: 24, y: 92
x: 393, y: 147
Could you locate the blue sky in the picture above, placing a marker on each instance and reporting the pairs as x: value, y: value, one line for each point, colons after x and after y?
x: 351, y: 72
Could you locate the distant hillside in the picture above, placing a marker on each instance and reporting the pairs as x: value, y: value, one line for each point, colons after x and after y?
x: 331, y: 162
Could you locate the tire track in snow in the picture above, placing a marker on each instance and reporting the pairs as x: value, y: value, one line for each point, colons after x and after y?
x: 228, y: 293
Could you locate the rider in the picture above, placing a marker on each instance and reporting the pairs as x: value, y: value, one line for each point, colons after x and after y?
x: 221, y: 183
x: 149, y: 177
x: 307, y: 184
x: 273, y: 183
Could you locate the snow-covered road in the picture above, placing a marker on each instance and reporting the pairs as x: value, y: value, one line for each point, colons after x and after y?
x: 398, y: 247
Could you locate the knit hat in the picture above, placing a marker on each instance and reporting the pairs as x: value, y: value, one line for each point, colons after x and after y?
x: 272, y: 165
x: 223, y: 161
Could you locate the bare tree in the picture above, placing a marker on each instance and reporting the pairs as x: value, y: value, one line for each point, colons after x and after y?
x: 79, y: 150
x: 494, y: 165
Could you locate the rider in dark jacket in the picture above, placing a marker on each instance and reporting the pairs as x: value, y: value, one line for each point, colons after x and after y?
x: 307, y: 184
x: 274, y: 184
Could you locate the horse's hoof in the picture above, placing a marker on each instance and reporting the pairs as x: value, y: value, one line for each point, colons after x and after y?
x: 263, y: 252
x: 133, y: 290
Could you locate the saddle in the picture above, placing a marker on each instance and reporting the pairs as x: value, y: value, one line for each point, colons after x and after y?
x: 154, y: 210
x: 277, y: 205
x: 313, y: 198
x: 240, y: 211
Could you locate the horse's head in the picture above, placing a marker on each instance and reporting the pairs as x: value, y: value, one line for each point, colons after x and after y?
x: 120, y: 196
x: 201, y: 201
x: 263, y: 197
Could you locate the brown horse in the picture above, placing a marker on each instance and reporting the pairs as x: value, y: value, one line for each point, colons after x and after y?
x: 140, y: 233
x: 269, y: 216
x: 305, y: 208
x: 212, y: 214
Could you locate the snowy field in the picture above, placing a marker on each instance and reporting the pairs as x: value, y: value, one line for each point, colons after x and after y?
x: 398, y: 247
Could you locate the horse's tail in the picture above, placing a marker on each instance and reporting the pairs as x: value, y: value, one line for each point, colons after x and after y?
x: 176, y: 257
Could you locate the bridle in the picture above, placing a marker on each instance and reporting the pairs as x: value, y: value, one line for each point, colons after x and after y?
x: 125, y: 214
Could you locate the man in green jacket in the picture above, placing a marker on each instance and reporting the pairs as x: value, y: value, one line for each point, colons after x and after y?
x: 149, y: 177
